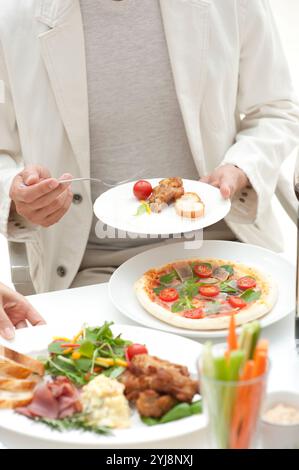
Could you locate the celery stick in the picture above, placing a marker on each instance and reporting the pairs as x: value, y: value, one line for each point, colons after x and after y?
x: 256, y: 330
x: 236, y: 361
x: 208, y: 361
x: 220, y: 368
x: 245, y: 341
x: 221, y: 374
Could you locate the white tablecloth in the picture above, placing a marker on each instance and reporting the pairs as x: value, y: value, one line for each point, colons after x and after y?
x: 92, y: 305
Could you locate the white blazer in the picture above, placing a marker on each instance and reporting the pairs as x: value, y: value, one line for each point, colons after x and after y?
x: 233, y: 88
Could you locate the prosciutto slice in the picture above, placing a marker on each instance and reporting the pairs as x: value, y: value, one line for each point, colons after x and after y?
x: 55, y: 400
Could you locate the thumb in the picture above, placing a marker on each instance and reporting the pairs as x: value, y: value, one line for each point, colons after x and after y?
x: 30, y: 175
x: 226, y: 190
x: 6, y: 327
x: 34, y: 173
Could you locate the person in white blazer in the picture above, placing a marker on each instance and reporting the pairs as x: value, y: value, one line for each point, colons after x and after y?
x: 235, y: 95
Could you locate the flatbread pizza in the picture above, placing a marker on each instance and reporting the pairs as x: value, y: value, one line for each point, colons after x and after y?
x: 202, y: 294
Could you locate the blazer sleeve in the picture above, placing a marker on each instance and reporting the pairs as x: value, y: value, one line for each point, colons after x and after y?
x: 269, y: 110
x: 14, y: 227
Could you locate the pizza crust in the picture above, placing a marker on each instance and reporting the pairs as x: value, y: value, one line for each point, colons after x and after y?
x: 257, y: 310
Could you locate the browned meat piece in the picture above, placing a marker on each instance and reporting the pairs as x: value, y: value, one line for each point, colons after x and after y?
x: 148, y: 372
x: 133, y: 385
x: 167, y: 191
x: 153, y: 405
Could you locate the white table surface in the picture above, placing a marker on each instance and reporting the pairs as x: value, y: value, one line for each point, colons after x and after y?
x: 92, y: 305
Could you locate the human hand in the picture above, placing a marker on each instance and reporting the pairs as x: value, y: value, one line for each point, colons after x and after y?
x: 228, y: 178
x: 15, y: 311
x: 39, y: 198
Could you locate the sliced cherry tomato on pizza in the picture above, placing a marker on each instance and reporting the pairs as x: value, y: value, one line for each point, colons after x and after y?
x: 134, y: 350
x: 142, y: 190
x: 169, y: 295
x: 204, y: 270
x: 194, y: 314
x: 237, y: 302
x: 209, y: 291
x: 246, y: 282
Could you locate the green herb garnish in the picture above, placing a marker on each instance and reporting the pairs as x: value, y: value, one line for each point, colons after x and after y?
x: 77, y: 421
x: 251, y: 295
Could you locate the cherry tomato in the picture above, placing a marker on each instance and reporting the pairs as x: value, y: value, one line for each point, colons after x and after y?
x: 194, y: 314
x: 169, y: 295
x: 246, y: 283
x: 203, y: 270
x: 142, y: 190
x: 237, y: 302
x: 209, y: 291
x: 134, y: 350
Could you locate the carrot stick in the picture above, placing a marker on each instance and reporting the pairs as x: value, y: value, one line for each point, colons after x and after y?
x: 240, y: 406
x: 260, y: 364
x: 232, y: 340
x: 254, y: 398
x: 262, y: 346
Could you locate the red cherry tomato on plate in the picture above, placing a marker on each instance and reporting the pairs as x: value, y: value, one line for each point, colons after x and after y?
x: 142, y: 190
x: 134, y: 350
x: 203, y: 270
x: 245, y: 283
x: 169, y: 295
x: 209, y: 291
x: 237, y: 302
x: 194, y: 314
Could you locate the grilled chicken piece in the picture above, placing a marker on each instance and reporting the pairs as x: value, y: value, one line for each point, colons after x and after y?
x: 153, y: 405
x: 167, y: 191
x: 148, y: 372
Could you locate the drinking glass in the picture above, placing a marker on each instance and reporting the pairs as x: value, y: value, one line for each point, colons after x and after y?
x: 233, y: 410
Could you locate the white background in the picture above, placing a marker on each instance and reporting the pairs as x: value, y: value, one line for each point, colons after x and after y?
x: 287, y: 16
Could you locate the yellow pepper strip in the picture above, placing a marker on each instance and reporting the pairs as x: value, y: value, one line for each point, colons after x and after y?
x: 78, y: 336
x: 61, y: 338
x: 76, y: 355
x: 147, y: 206
x: 67, y: 351
x: 107, y: 362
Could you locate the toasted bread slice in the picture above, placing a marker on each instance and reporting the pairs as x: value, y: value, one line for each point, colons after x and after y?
x: 14, y: 399
x: 190, y: 205
x: 18, y: 365
x: 11, y: 384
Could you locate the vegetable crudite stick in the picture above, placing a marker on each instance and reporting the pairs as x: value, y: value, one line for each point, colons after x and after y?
x: 234, y: 385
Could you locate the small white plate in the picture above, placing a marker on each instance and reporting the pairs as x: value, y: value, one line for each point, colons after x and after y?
x: 166, y: 346
x: 123, y: 297
x: 117, y: 208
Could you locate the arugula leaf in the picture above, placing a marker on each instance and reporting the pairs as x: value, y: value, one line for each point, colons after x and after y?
x: 168, y: 278
x: 228, y: 268
x: 86, y: 349
x: 182, y: 304
x: 114, y: 372
x: 83, y: 364
x: 144, y: 208
x: 250, y: 295
x: 159, y: 289
x: 55, y: 347
x: 229, y: 287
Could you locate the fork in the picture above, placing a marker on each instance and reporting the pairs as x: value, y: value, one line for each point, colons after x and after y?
x: 108, y: 183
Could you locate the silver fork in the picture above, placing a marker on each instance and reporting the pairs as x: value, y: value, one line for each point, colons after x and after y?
x: 108, y: 183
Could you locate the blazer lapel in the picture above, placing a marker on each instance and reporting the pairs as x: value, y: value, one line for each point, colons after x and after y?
x: 63, y: 52
x: 187, y: 26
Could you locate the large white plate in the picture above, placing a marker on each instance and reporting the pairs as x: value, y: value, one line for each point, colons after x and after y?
x: 117, y: 208
x: 123, y: 297
x: 176, y: 349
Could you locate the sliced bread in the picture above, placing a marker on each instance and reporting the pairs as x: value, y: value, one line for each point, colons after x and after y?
x: 190, y: 205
